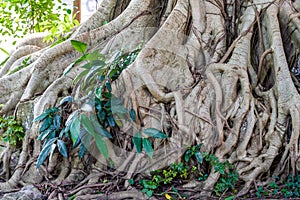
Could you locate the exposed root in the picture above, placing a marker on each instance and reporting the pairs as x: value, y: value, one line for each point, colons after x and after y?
x: 192, y: 85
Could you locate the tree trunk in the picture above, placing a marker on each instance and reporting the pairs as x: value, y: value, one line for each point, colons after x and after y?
x: 77, y: 10
x: 224, y: 74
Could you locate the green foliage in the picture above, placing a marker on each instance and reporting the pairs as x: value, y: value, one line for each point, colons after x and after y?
x: 194, y: 165
x: 228, y: 175
x: 52, y: 133
x: 165, y: 177
x: 96, y: 115
x: 290, y: 188
x: 140, y: 142
x: 12, y: 130
x: 19, y: 17
x: 194, y: 151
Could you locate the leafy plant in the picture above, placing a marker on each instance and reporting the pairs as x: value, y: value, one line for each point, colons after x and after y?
x: 52, y: 133
x: 192, y: 166
x: 12, y: 130
x: 166, y: 176
x: 19, y: 17
x: 141, y: 142
x: 290, y: 188
x: 95, y: 114
x: 228, y: 175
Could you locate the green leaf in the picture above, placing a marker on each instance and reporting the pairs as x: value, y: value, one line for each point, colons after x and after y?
x: 82, y: 151
x: 46, y: 124
x: 96, y: 56
x: 71, y: 118
x: 131, y: 181
x: 137, y: 142
x: 53, y: 146
x: 230, y: 197
x: 75, y: 130
x: 118, y: 109
x: 199, y: 157
x: 132, y: 114
x: 86, y: 123
x: 108, y: 86
x: 4, y: 51
x: 56, y: 121
x: 68, y: 69
x: 98, y: 128
x: 152, y: 132
x: 147, y: 146
x: 79, y: 46
x: 44, y: 153
x: 45, y: 133
x: 62, y: 148
x: 69, y: 11
x: 187, y: 155
x: 41, y: 117
x: 79, y: 76
x: 101, y: 145
x: 111, y: 121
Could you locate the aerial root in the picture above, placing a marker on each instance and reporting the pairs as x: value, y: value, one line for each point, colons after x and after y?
x: 14, y: 180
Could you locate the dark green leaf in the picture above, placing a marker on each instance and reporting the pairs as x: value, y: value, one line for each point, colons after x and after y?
x: 56, y: 121
x: 69, y: 11
x: 132, y: 114
x: 108, y: 86
x: 137, y: 142
x: 45, y: 133
x: 131, y: 181
x: 118, y: 109
x: 75, y: 130
x: 44, y: 153
x: 198, y: 147
x: 46, y: 124
x: 98, y: 92
x: 152, y: 132
x: 101, y: 145
x: 187, y: 155
x: 62, y: 148
x: 147, y: 146
x: 41, y: 117
x: 79, y: 46
x: 82, y: 151
x: 111, y: 121
x: 199, y: 157
x: 86, y: 123
x: 98, y: 128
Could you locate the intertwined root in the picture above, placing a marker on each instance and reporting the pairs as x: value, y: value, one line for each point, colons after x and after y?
x: 179, y: 84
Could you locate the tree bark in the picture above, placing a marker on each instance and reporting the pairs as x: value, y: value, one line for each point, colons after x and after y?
x: 224, y: 74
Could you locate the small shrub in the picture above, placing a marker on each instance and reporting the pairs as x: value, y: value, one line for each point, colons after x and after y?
x: 13, y: 130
